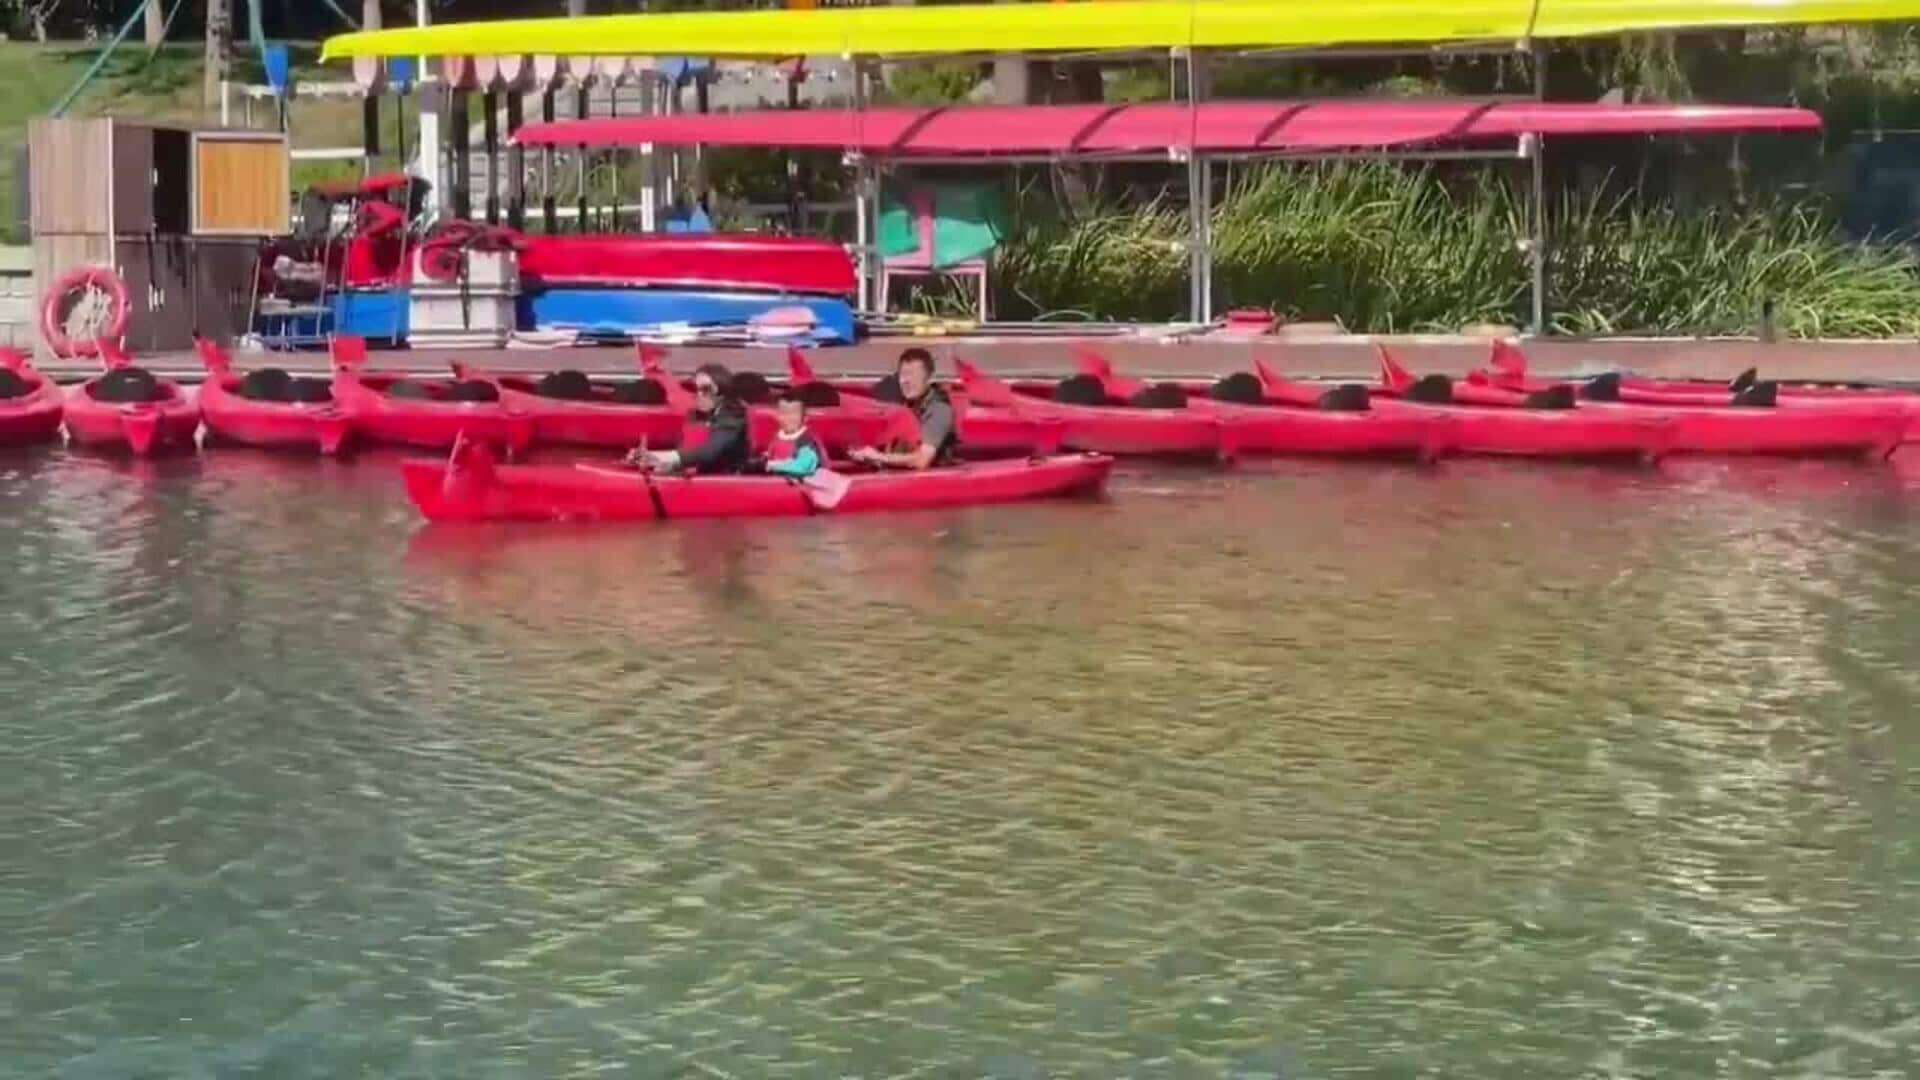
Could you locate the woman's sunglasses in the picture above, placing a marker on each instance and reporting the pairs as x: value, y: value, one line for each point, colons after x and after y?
x: 700, y: 387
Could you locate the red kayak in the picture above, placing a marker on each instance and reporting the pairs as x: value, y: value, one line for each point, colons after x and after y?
x: 471, y: 487
x: 427, y: 413
x: 32, y: 414
x: 1747, y: 421
x: 1285, y: 417
x: 235, y: 411
x: 1492, y: 421
x: 595, y: 413
x: 165, y: 416
x: 1107, y: 429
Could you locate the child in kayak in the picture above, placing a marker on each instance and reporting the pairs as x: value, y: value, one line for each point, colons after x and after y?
x: 795, y: 453
x: 938, y: 439
x: 727, y: 446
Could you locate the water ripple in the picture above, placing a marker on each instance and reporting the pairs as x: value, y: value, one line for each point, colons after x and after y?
x: 1293, y: 770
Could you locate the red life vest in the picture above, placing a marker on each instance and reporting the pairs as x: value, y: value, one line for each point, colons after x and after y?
x: 785, y: 449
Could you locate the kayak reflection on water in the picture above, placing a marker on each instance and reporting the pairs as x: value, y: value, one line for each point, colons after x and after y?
x: 726, y: 447
x: 934, y: 439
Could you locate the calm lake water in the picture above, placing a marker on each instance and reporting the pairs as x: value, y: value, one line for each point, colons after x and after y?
x: 1295, y: 770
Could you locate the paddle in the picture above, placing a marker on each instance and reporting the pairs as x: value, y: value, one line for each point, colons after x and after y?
x: 984, y: 389
x: 653, y: 364
x: 825, y: 488
x: 213, y: 358
x: 1091, y: 362
x: 1393, y: 376
x: 799, y: 372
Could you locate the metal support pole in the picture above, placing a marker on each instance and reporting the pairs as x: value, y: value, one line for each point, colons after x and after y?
x: 516, y: 165
x: 1199, y: 202
x: 490, y: 133
x: 616, y: 160
x: 462, y: 156
x: 582, y: 109
x: 1537, y: 243
x: 868, y: 298
x: 549, y: 210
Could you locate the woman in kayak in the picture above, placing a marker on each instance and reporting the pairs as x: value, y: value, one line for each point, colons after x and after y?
x: 727, y: 447
x: 938, y: 442
x: 795, y: 453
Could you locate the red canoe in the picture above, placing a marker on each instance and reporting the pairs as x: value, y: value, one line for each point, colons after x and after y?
x: 146, y: 427
x: 275, y: 425
x: 433, y: 422
x: 471, y: 487
x: 1107, y: 429
x: 1500, y: 422
x: 33, y: 417
x: 1709, y: 423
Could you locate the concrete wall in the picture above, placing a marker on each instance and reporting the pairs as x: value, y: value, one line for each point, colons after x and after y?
x: 18, y: 316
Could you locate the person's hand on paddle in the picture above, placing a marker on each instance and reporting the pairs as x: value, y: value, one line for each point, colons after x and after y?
x: 864, y: 455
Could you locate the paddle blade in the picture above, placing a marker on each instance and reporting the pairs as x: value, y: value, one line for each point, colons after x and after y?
x: 350, y: 352
x: 1508, y: 360
x: 653, y: 364
x: 1092, y: 362
x: 213, y: 357
x: 1393, y: 376
x: 984, y: 389
x: 826, y: 488
x: 799, y: 372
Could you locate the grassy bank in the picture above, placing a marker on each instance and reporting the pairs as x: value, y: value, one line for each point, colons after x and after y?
x: 1381, y: 248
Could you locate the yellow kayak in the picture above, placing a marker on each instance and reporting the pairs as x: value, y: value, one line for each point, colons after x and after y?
x: 1098, y: 25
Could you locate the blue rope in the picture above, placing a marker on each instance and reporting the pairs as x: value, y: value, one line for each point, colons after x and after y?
x: 66, y: 102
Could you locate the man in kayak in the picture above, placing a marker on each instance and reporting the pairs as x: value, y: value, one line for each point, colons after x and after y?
x: 726, y: 448
x: 938, y: 440
x: 795, y: 453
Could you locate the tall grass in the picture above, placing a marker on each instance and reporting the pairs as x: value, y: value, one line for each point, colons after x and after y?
x: 1384, y: 248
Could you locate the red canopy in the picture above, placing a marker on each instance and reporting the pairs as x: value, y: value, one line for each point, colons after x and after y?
x: 1276, y: 127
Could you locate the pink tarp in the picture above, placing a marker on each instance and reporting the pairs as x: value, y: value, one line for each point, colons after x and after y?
x: 1276, y: 127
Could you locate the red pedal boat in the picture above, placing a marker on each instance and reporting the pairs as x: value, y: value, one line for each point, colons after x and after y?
x: 434, y: 419
x: 33, y: 415
x: 1106, y: 429
x: 470, y: 486
x: 1492, y: 421
x: 1723, y: 422
x: 231, y: 416
x: 169, y: 421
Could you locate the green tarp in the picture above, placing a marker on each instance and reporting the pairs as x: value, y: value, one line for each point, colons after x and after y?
x: 969, y: 222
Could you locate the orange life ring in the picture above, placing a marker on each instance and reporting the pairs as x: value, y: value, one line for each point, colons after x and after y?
x: 75, y: 286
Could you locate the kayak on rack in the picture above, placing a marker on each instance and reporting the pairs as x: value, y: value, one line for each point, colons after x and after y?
x: 1494, y: 421
x: 1751, y: 420
x: 268, y: 408
x: 1263, y: 413
x: 471, y: 486
x: 1089, y: 419
x: 427, y: 413
x: 31, y: 405
x: 128, y: 408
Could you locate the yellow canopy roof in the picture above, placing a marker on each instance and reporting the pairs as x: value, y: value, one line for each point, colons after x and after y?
x: 1098, y: 25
